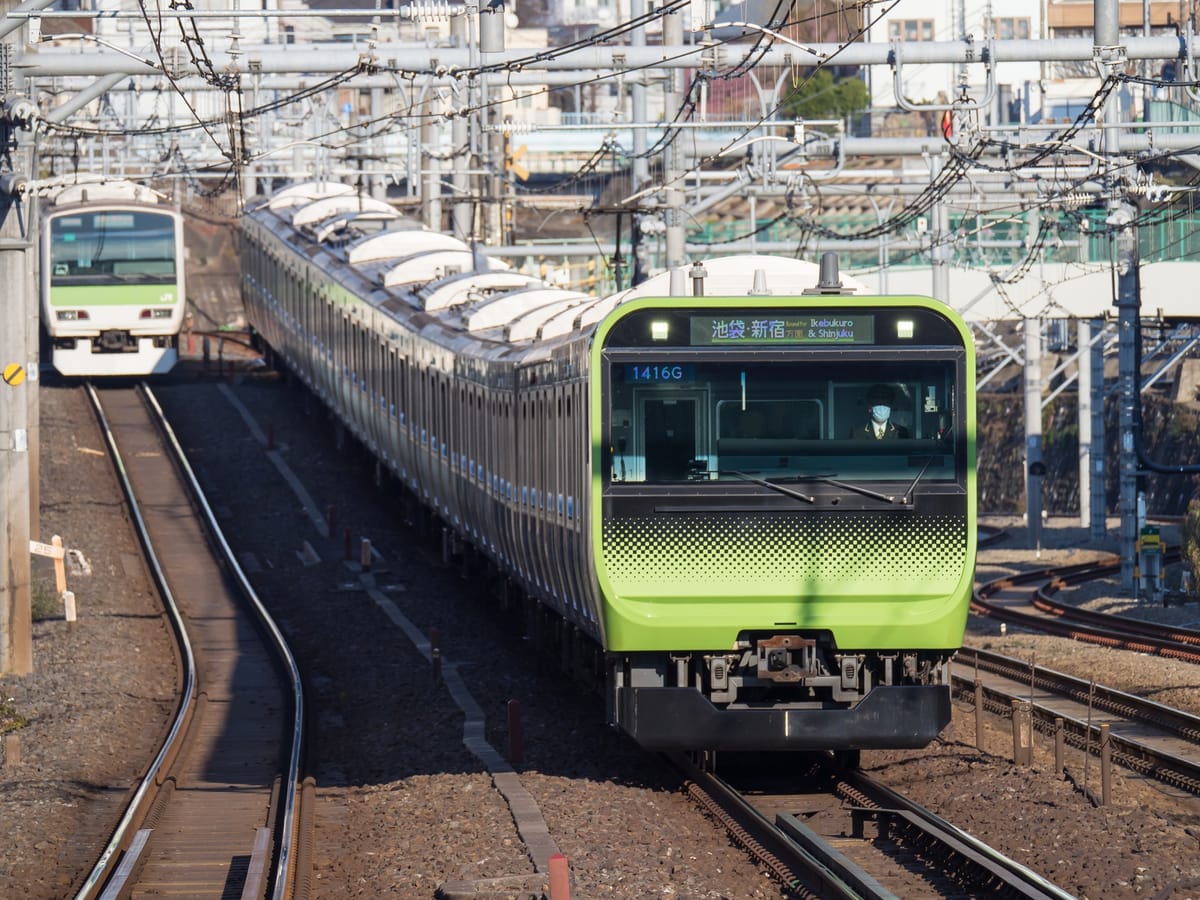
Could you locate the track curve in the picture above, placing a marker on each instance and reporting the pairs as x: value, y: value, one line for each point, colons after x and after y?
x: 213, y: 813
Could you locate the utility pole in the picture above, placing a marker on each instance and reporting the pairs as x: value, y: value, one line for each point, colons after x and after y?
x: 463, y: 160
x: 1091, y: 425
x: 494, y: 185
x: 1109, y: 55
x: 1098, y: 526
x: 1127, y: 301
x: 640, y: 167
x: 19, y: 363
x: 1035, y: 469
x: 676, y: 232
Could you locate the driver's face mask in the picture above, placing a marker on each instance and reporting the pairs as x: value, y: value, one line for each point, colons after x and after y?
x: 881, y: 413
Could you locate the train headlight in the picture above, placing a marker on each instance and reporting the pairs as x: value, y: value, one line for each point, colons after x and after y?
x: 660, y: 330
x: 904, y: 328
x: 155, y: 314
x: 71, y: 315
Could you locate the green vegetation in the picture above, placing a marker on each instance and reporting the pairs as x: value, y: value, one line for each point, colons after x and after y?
x: 10, y: 718
x: 1182, y: 425
x: 44, y: 602
x: 1191, y: 541
x: 819, y: 96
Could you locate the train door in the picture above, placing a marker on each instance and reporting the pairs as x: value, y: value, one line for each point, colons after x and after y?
x: 557, y: 516
x: 404, y: 450
x: 524, y: 468
x: 356, y: 369
x: 670, y: 434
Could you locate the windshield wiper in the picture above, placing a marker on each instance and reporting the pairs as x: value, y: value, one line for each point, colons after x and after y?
x: 845, y: 485
x: 908, y: 495
x: 778, y: 484
x: 770, y: 484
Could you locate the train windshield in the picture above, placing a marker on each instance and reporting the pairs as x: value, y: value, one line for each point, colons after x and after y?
x: 112, y: 247
x: 823, y: 420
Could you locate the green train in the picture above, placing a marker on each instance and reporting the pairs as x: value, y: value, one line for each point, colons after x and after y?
x: 750, y: 514
x: 111, y: 279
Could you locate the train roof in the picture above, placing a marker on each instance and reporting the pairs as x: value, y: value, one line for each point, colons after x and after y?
x: 317, y: 211
x: 531, y: 325
x: 508, y: 308
x: 103, y: 192
x: 734, y: 276
x: 401, y: 243
x: 306, y: 192
x: 429, y: 265
x: 472, y: 287
x: 396, y: 264
x: 353, y: 223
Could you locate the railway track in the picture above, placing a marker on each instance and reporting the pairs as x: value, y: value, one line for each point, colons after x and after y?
x: 1026, y: 599
x: 1154, y: 740
x: 829, y: 833
x: 833, y: 833
x: 1147, y: 737
x: 213, y: 813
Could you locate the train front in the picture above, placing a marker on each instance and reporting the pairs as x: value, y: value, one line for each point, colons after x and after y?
x: 783, y: 518
x: 112, y: 288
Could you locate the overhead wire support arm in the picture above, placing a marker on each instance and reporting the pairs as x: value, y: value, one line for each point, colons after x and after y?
x: 964, y: 103
x: 423, y: 11
x: 318, y: 59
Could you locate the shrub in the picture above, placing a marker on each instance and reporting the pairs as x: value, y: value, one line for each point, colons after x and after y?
x: 1191, y: 542
x: 10, y: 718
x: 44, y: 602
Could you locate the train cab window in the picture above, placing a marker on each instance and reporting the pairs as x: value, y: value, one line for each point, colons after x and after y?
x: 739, y: 420
x: 113, y: 247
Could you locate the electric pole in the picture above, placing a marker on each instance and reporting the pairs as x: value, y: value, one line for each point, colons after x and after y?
x: 18, y: 362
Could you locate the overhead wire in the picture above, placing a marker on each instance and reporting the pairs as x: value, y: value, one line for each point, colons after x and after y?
x: 230, y: 82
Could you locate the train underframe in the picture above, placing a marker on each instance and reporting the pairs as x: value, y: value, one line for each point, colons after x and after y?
x: 776, y: 692
x: 781, y: 692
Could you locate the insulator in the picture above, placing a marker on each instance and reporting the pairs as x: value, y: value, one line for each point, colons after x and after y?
x: 432, y: 10
x: 20, y: 111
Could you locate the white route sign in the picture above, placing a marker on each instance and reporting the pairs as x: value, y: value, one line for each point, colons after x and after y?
x: 37, y: 548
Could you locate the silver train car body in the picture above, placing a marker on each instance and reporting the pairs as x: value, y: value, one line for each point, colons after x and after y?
x: 391, y: 325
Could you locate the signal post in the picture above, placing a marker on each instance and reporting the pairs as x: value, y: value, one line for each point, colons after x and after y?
x: 16, y: 637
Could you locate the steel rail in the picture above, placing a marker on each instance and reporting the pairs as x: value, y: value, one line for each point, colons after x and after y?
x: 1131, y: 754
x: 1098, y: 628
x: 1182, y: 724
x: 807, y: 863
x: 1083, y: 625
x: 1001, y: 874
x: 122, y: 834
x: 802, y: 872
x: 1043, y: 600
x: 110, y: 870
x: 286, y: 832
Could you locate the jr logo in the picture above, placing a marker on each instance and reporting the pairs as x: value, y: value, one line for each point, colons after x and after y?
x: 168, y: 297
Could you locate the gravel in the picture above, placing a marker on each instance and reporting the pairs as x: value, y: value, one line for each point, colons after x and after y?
x: 403, y: 806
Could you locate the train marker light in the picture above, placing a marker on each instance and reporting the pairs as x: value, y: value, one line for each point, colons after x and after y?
x: 660, y: 330
x: 904, y: 328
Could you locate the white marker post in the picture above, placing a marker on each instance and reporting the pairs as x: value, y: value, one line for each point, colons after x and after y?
x: 54, y: 550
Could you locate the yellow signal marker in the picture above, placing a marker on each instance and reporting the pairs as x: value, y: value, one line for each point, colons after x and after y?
x: 513, y: 163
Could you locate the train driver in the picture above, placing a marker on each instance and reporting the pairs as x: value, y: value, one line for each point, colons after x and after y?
x: 879, y: 425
